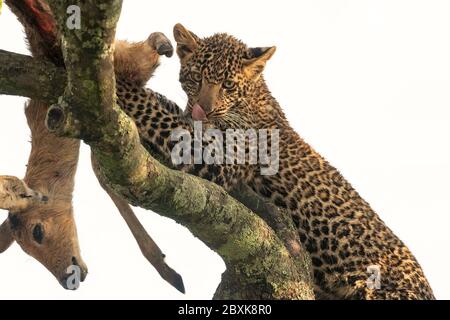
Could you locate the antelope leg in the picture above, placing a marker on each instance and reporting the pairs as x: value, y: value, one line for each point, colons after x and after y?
x: 148, y: 247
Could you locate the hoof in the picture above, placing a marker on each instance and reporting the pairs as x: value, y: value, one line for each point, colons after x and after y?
x: 159, y: 42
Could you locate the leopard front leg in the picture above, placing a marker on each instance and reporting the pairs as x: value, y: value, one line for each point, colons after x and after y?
x: 156, y: 118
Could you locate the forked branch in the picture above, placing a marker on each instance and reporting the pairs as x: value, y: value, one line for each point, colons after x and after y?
x: 258, y: 263
x: 43, y: 40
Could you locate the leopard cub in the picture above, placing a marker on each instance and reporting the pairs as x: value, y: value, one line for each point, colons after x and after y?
x: 223, y: 80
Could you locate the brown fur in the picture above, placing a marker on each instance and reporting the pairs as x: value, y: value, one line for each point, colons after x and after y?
x: 16, y: 196
x: 51, y: 166
x: 135, y: 61
x: 40, y: 28
x: 52, y: 163
x: 51, y: 169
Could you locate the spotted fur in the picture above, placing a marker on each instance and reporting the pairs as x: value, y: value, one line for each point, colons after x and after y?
x: 341, y: 232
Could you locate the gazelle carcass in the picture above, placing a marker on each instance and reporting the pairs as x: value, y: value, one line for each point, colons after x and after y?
x: 45, y: 228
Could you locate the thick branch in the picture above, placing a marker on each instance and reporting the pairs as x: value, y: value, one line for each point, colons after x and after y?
x: 22, y: 75
x: 280, y: 221
x: 30, y: 82
x: 43, y: 41
x: 256, y: 259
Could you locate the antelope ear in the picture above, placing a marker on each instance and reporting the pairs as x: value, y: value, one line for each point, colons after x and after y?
x: 187, y: 42
x: 6, y: 237
x: 254, y: 66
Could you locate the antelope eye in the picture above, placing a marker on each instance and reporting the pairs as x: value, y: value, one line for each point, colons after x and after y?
x: 38, y: 233
x: 228, y: 84
x: 196, y: 76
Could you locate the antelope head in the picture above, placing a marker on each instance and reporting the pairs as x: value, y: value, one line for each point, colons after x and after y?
x: 44, y: 228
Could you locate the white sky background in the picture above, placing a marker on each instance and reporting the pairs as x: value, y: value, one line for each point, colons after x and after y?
x: 365, y: 82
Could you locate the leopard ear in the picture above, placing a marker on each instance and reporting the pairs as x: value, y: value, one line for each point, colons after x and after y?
x: 187, y: 42
x: 254, y: 65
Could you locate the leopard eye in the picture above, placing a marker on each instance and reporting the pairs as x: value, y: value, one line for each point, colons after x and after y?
x: 196, y: 76
x: 38, y: 233
x: 228, y: 84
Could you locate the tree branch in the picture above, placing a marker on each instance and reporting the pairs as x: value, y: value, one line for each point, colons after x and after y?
x: 30, y: 82
x: 248, y: 246
x: 21, y: 75
x: 43, y: 40
x: 257, y: 261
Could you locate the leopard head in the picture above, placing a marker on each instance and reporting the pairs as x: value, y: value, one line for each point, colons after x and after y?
x: 219, y: 74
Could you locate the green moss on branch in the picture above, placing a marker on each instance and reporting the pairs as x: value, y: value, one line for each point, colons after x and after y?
x: 258, y: 264
x: 21, y: 75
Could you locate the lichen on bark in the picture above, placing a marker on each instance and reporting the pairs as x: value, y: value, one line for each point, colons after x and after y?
x: 259, y: 265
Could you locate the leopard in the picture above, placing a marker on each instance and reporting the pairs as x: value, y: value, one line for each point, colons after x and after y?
x: 348, y: 243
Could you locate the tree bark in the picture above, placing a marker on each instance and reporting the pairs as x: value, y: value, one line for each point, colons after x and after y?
x: 48, y: 89
x: 259, y: 266
x: 41, y: 33
x: 25, y: 76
